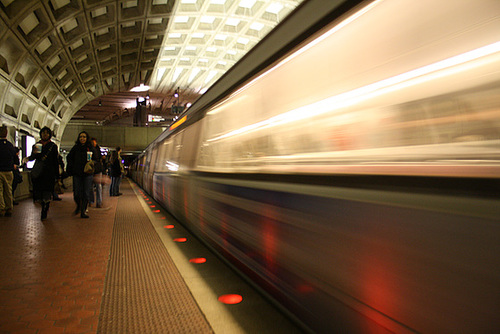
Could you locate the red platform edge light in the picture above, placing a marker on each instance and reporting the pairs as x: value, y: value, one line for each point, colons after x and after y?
x: 180, y: 239
x: 156, y: 211
x: 230, y: 299
x: 198, y: 260
x: 152, y: 206
x: 163, y: 217
x: 168, y: 226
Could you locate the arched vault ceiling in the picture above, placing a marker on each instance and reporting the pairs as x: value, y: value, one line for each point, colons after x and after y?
x: 59, y: 58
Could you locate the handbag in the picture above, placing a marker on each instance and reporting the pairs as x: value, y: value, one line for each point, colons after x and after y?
x: 89, y: 167
x: 37, y: 169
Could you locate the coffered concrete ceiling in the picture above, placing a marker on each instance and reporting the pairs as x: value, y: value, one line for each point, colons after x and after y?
x: 62, y: 60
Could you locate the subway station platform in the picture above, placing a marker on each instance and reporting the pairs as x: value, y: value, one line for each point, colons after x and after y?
x: 129, y: 268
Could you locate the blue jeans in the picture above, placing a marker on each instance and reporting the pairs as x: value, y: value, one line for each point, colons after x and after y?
x: 114, y: 188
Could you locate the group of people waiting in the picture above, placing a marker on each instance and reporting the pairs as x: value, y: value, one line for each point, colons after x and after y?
x: 49, y: 169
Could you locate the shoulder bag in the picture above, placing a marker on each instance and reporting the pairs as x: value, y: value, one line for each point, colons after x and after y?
x: 37, y: 169
x: 89, y: 167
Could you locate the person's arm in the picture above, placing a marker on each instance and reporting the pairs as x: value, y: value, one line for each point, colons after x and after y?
x: 15, y: 157
x: 69, y: 162
x: 33, y: 155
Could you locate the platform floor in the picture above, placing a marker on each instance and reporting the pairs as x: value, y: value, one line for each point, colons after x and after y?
x: 126, y: 269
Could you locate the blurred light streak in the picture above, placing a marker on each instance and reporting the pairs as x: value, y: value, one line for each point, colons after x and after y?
x: 224, y: 233
x: 179, y: 122
x: 269, y: 240
x: 185, y: 203
x: 172, y: 166
x: 339, y: 26
x: 358, y: 95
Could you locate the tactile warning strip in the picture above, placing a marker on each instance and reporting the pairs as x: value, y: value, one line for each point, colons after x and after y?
x: 144, y: 292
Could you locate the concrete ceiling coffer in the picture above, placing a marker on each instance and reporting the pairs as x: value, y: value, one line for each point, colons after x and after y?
x: 80, y: 47
x: 13, y: 102
x: 102, y: 16
x: 62, y: 9
x: 131, y: 9
x: 33, y: 25
x: 12, y: 53
x: 73, y: 28
x: 46, y: 48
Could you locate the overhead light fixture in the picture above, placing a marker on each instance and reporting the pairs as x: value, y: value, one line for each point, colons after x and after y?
x: 140, y: 88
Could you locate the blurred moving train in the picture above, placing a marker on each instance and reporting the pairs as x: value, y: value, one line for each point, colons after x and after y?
x: 355, y: 178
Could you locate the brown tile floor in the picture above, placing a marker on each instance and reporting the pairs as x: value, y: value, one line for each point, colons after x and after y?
x: 52, y: 272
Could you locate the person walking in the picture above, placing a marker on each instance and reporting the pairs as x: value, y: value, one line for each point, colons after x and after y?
x: 7, y: 160
x: 45, y: 152
x: 76, y: 160
x: 98, y: 167
x: 116, y: 172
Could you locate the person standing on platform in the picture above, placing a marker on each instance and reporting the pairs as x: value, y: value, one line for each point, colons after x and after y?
x: 18, y: 178
x: 116, y: 171
x: 98, y: 167
x: 76, y: 160
x: 7, y: 161
x: 45, y: 152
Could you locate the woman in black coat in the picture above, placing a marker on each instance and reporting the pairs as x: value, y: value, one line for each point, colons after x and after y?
x: 82, y: 182
x: 43, y: 185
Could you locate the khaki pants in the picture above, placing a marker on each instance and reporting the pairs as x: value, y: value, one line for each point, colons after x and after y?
x: 6, y: 197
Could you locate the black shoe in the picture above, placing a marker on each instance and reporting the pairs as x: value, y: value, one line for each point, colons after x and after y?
x: 57, y: 199
x: 8, y: 214
x: 77, y: 210
x: 15, y: 203
x: 119, y: 194
x: 84, y: 215
x: 45, y: 210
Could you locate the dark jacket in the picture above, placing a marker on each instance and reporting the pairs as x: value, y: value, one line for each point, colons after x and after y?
x: 76, y: 159
x: 8, y: 156
x: 114, y: 165
x: 115, y: 168
x: 50, y: 170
